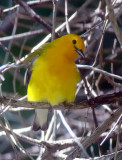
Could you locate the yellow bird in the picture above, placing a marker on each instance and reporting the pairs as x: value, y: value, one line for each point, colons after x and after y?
x: 54, y: 75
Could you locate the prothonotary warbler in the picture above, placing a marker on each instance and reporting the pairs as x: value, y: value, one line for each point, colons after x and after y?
x: 54, y: 75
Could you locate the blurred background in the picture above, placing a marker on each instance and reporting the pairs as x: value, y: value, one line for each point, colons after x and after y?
x: 19, y: 33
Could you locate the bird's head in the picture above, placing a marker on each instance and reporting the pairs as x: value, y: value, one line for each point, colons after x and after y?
x: 74, y: 46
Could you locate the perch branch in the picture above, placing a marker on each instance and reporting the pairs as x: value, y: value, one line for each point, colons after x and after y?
x: 104, y: 99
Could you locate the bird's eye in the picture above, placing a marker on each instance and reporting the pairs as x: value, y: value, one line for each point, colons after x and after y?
x: 74, y: 41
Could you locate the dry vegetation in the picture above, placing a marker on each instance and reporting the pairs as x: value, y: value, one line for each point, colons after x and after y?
x: 89, y: 128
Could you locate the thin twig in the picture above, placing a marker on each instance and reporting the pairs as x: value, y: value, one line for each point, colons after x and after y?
x: 66, y: 17
x: 114, y: 21
x: 72, y: 134
x: 55, y: 2
x: 8, y: 51
x: 21, y: 35
x: 33, y: 15
x: 99, y: 71
x: 101, y: 42
x: 94, y: 137
x: 118, y: 134
x: 30, y: 3
x: 10, y: 139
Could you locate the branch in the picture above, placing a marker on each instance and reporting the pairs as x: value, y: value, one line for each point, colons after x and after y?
x: 114, y: 21
x: 95, y: 136
x: 21, y: 35
x: 30, y: 3
x: 104, y: 99
x: 33, y: 15
x: 99, y: 71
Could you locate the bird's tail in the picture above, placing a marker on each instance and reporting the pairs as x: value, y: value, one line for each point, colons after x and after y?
x: 40, y: 120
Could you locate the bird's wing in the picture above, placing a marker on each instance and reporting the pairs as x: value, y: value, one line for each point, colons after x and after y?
x: 31, y: 58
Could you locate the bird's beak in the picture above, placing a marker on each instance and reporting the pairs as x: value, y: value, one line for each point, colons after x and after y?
x: 80, y: 52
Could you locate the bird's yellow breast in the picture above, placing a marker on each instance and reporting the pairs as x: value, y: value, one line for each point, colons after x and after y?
x: 54, y: 73
x: 53, y: 80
